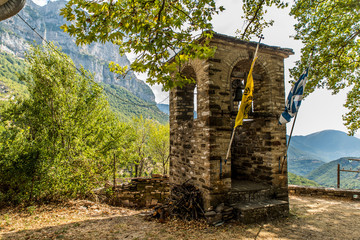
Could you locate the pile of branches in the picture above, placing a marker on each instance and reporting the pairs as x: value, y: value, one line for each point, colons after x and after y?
x: 185, y: 202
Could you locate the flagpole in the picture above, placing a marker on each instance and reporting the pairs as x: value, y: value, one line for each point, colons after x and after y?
x: 288, y: 144
x: 292, y: 127
x: 233, y: 132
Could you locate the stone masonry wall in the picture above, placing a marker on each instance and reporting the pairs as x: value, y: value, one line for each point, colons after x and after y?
x: 142, y: 192
x: 198, y: 146
x: 325, y: 192
x: 258, y: 145
x: 189, y: 147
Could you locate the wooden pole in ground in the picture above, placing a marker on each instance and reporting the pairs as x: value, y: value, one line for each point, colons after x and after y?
x: 338, y: 176
x: 114, y: 186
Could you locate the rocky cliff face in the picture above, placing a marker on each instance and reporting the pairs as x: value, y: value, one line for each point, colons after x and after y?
x: 15, y: 37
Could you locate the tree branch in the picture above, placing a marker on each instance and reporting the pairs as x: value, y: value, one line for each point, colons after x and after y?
x: 253, y: 18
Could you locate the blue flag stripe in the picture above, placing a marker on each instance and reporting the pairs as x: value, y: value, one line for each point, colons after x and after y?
x: 294, y: 98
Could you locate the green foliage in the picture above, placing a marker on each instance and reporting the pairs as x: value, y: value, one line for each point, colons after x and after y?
x: 154, y: 30
x: 159, y: 146
x: 254, y: 13
x: 301, y: 181
x: 54, y: 143
x: 149, y: 153
x: 157, y: 30
x: 10, y: 68
x: 333, y: 29
x: 127, y: 106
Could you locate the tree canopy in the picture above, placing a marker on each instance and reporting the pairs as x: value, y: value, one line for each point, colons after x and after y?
x: 52, y: 142
x: 330, y: 30
x: 156, y: 30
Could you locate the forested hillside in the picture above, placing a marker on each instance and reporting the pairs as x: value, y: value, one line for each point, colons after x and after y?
x: 326, y: 175
x: 125, y: 104
x: 10, y: 85
x: 325, y: 146
x: 16, y: 37
x: 301, y: 181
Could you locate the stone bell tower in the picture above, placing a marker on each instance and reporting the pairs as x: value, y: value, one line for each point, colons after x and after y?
x: 202, y: 117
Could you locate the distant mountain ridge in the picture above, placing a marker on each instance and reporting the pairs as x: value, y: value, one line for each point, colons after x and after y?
x: 16, y: 36
x: 164, y: 108
x: 124, y: 103
x: 325, y: 146
x: 315, y: 157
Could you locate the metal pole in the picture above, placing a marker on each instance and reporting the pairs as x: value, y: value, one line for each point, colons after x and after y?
x: 338, y: 176
x: 287, y: 146
x: 233, y: 132
x: 291, y: 132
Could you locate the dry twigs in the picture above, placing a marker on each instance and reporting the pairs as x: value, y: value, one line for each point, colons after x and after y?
x: 185, y: 202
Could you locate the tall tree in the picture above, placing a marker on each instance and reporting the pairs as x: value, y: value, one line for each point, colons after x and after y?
x: 141, y: 160
x: 330, y: 29
x: 56, y: 135
x: 159, y: 145
x: 154, y: 30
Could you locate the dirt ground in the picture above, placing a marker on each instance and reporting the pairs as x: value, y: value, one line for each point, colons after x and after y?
x: 310, y: 218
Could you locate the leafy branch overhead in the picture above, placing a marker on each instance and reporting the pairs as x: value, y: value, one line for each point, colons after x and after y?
x: 254, y: 21
x: 154, y: 30
x: 333, y: 29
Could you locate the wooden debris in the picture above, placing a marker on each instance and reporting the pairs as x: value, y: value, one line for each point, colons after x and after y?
x: 185, y: 202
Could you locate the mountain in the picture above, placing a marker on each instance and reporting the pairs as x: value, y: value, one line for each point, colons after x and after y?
x: 301, y: 181
x: 325, y: 146
x: 164, y: 108
x: 16, y: 36
x: 326, y: 174
x: 125, y: 104
x: 303, y: 167
x: 10, y: 86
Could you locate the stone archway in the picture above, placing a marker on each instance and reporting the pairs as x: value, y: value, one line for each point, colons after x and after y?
x: 198, y: 147
x: 248, y: 139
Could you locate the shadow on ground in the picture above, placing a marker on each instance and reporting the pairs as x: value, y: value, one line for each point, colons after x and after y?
x: 311, y: 218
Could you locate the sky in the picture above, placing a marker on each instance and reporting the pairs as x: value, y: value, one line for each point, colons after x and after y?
x: 320, y: 110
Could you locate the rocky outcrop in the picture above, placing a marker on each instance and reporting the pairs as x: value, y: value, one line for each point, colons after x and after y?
x: 16, y: 37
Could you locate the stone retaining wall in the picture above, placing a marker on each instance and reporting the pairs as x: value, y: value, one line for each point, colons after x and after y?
x: 142, y: 192
x: 324, y: 192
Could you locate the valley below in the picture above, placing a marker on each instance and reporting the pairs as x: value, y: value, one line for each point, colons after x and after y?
x: 313, y: 159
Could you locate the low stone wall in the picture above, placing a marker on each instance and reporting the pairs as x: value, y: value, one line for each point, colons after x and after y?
x: 324, y: 192
x: 142, y: 192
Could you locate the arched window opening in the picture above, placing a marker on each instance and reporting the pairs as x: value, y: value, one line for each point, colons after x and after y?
x: 188, y: 94
x: 195, y: 102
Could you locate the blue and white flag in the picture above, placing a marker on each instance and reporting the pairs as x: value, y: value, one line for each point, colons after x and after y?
x: 294, y: 98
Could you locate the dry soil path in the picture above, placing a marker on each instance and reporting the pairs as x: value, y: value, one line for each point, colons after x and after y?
x: 311, y: 218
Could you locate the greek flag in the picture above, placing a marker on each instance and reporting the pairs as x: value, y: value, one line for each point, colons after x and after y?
x: 294, y: 98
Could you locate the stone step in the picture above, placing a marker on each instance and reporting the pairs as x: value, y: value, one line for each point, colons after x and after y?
x: 250, y: 195
x: 252, y: 212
